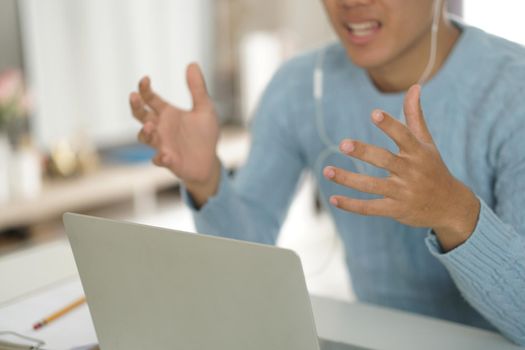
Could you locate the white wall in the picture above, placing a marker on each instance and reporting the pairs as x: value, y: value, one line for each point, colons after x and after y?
x: 11, y: 55
x: 308, y: 23
x: 502, y: 17
x: 85, y: 56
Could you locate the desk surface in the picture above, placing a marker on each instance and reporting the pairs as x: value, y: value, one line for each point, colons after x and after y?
x: 381, y: 328
x: 71, y: 330
x: 354, y: 323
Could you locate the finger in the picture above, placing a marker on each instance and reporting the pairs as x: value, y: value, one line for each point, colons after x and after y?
x: 145, y: 138
x: 151, y: 135
x: 161, y: 159
x: 377, y: 156
x: 197, y: 86
x: 154, y: 101
x: 148, y: 135
x: 398, y: 132
x: 137, y: 107
x: 157, y: 159
x: 362, y: 183
x: 141, y: 136
x: 367, y: 207
x: 415, y: 118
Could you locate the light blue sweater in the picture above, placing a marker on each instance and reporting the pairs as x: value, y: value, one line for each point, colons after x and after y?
x: 475, y: 110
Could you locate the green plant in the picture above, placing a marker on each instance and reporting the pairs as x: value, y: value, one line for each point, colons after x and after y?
x: 13, y: 99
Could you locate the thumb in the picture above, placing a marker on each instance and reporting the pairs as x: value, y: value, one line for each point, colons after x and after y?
x: 197, y: 86
x: 414, y: 114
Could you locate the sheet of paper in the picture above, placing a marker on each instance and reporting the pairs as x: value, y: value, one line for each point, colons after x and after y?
x: 69, y: 331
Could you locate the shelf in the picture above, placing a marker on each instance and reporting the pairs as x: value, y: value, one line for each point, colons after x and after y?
x: 109, y: 184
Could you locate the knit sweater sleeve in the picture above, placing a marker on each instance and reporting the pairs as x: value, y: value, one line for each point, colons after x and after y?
x: 489, y: 268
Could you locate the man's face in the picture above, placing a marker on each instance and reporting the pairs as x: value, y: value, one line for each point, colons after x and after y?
x: 376, y: 33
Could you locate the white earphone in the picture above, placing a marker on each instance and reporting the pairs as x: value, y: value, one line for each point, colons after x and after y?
x: 330, y: 146
x: 333, y: 148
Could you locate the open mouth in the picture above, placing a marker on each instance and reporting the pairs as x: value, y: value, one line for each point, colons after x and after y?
x: 362, y: 32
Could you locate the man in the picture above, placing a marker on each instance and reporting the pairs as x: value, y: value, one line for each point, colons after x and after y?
x: 430, y: 210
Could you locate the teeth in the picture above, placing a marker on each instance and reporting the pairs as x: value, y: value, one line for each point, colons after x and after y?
x: 362, y: 28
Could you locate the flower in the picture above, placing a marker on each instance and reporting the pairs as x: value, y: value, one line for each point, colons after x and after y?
x: 13, y: 99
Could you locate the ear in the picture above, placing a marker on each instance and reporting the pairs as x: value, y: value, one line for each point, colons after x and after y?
x: 415, y: 119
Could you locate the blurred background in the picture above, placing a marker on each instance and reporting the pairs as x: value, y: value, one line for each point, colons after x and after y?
x: 67, y: 138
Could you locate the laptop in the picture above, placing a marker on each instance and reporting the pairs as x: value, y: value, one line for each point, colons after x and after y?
x: 155, y: 288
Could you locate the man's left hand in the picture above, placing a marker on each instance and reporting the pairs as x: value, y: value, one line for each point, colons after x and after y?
x: 419, y: 190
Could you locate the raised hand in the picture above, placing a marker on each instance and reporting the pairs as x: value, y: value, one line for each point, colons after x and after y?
x: 420, y: 190
x: 185, y: 140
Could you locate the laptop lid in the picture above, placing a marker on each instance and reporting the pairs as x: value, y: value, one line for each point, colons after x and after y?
x: 155, y: 288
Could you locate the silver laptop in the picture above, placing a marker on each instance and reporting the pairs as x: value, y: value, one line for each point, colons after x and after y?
x: 154, y: 288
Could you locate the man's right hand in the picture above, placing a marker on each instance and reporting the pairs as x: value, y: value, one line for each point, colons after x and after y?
x: 185, y: 141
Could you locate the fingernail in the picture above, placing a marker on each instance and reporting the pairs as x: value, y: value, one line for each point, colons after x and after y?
x: 329, y: 172
x: 347, y: 146
x: 378, y: 116
x: 333, y: 201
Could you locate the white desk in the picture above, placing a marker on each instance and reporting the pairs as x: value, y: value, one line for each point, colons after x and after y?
x: 358, y: 324
x: 71, y: 330
x: 381, y: 328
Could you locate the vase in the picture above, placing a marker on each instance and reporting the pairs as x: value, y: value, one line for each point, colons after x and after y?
x: 5, y: 157
x: 25, y: 172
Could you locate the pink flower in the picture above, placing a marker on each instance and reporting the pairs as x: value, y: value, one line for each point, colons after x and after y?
x: 11, y: 85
